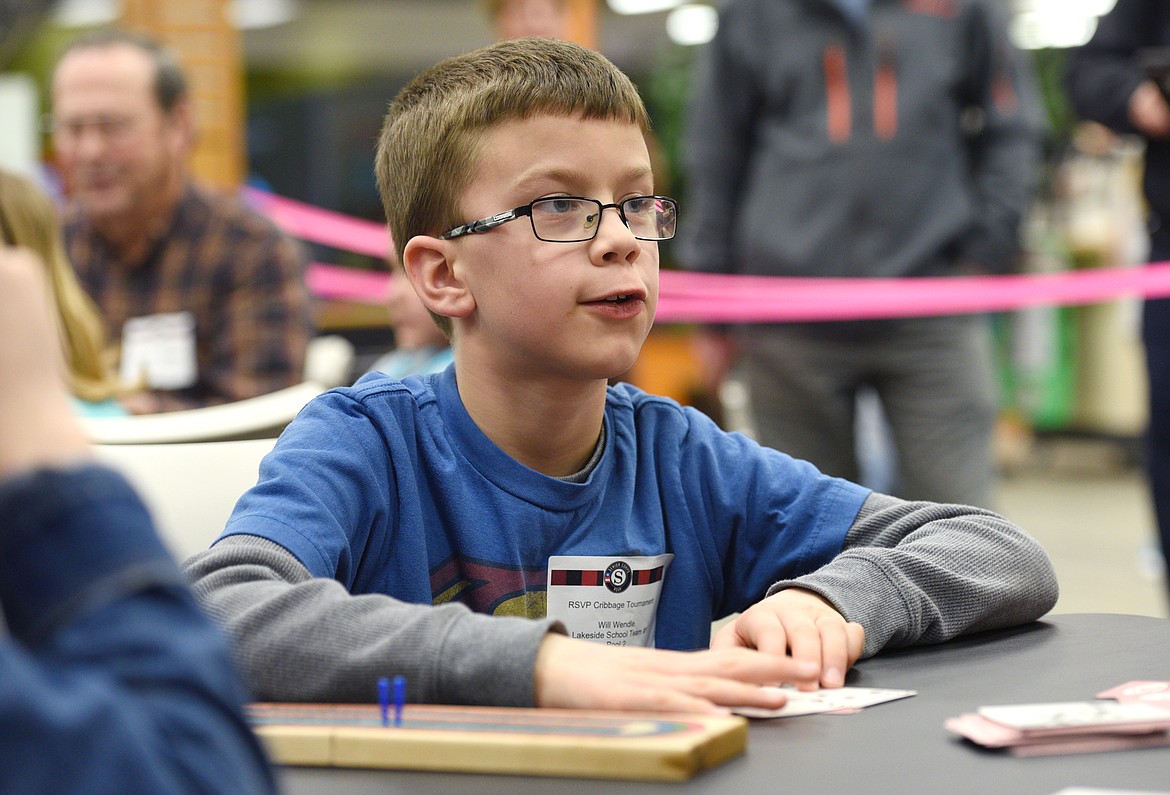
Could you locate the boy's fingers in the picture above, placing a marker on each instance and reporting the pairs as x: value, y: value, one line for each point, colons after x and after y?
x: 768, y: 633
x: 756, y: 629
x: 702, y: 694
x: 730, y: 693
x: 834, y: 652
x: 794, y: 642
x: 739, y: 665
x: 727, y: 637
x: 856, y: 634
x: 805, y: 642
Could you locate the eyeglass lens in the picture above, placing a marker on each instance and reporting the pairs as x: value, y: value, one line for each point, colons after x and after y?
x: 571, y: 219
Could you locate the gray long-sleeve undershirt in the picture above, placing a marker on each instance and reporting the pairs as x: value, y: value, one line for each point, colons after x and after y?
x: 910, y: 573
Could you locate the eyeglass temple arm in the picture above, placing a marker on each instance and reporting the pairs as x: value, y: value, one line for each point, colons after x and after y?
x: 482, y: 225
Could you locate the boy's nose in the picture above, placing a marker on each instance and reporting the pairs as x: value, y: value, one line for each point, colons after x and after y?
x: 614, y: 233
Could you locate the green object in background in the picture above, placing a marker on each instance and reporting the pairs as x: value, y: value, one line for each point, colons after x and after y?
x: 1037, y: 354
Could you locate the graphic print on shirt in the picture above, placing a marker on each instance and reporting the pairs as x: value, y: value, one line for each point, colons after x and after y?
x: 607, y: 599
x: 493, y: 588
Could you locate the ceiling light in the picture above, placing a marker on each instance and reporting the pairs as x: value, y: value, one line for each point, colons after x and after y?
x: 1079, y: 8
x: 642, y: 6
x: 692, y: 24
x: 1036, y: 30
x: 256, y: 14
x: 86, y: 13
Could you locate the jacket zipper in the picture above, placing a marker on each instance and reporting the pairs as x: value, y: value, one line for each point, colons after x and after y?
x: 838, y: 113
x: 885, y: 92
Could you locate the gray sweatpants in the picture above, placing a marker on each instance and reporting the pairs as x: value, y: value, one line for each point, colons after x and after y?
x: 935, y: 380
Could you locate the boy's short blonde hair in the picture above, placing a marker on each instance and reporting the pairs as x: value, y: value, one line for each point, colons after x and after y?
x: 428, y: 150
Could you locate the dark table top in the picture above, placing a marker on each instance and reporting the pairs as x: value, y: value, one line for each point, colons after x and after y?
x: 901, y: 746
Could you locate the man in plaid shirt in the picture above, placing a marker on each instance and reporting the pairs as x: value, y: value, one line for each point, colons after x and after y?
x: 205, y: 296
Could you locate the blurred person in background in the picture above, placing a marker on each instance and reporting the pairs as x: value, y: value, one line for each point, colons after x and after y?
x: 204, y: 297
x: 111, y: 679
x: 1119, y: 79
x: 515, y: 19
x: 28, y: 219
x: 863, y: 138
x: 420, y: 347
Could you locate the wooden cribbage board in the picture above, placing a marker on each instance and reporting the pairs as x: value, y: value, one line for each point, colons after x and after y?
x: 533, y: 742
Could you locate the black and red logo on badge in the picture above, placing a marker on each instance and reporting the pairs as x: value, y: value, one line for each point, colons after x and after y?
x: 618, y: 576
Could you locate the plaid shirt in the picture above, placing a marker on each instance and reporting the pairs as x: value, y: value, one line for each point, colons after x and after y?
x: 241, y: 279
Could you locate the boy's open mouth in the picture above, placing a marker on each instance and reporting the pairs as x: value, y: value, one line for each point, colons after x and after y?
x: 618, y: 298
x: 620, y: 306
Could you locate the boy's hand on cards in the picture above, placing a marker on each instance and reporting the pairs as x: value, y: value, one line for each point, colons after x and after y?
x: 802, y: 625
x: 579, y: 674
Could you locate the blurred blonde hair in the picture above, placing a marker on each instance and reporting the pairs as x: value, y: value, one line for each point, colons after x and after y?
x: 29, y: 219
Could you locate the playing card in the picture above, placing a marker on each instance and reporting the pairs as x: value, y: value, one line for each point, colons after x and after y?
x: 839, y: 700
x: 1156, y: 693
x: 1137, y: 717
x: 1078, y: 716
x: 989, y: 734
x: 1110, y: 791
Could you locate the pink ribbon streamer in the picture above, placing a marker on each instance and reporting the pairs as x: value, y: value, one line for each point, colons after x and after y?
x: 718, y: 298
x: 335, y: 283
x: 306, y: 222
x: 712, y: 298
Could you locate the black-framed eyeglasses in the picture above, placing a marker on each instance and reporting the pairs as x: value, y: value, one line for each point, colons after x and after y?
x: 575, y: 219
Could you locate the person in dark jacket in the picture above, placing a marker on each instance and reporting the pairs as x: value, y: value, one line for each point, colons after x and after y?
x: 864, y: 138
x: 1113, y: 80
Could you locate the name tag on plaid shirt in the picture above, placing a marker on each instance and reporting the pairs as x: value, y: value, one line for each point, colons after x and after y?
x: 159, y: 351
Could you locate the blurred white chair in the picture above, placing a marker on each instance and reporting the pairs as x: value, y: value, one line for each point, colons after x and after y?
x: 327, y: 364
x: 190, y: 488
x: 254, y: 418
x: 328, y: 360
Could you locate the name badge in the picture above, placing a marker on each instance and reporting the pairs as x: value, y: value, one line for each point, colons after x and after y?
x: 610, y: 600
x: 160, y: 351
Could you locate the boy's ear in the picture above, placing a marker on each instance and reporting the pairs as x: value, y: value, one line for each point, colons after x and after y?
x: 429, y: 264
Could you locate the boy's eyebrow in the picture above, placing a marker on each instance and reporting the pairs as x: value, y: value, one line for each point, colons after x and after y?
x: 571, y: 177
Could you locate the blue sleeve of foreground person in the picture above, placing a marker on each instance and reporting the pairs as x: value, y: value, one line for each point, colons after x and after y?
x: 111, y: 679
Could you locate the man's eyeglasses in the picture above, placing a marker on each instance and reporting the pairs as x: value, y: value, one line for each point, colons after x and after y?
x: 107, y: 127
x: 575, y: 219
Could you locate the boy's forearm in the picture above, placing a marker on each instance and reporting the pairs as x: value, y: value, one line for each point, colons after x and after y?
x: 915, y: 573
x: 300, y: 638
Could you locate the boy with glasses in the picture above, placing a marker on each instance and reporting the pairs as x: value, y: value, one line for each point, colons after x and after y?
x: 456, y: 527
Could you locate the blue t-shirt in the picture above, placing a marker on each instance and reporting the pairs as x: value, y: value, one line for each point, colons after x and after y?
x: 389, y: 487
x: 402, y: 362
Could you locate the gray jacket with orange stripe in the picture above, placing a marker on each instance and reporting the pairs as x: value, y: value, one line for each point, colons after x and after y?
x: 816, y: 147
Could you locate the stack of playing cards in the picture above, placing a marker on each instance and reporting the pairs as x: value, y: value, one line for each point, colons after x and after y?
x: 1138, y: 716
